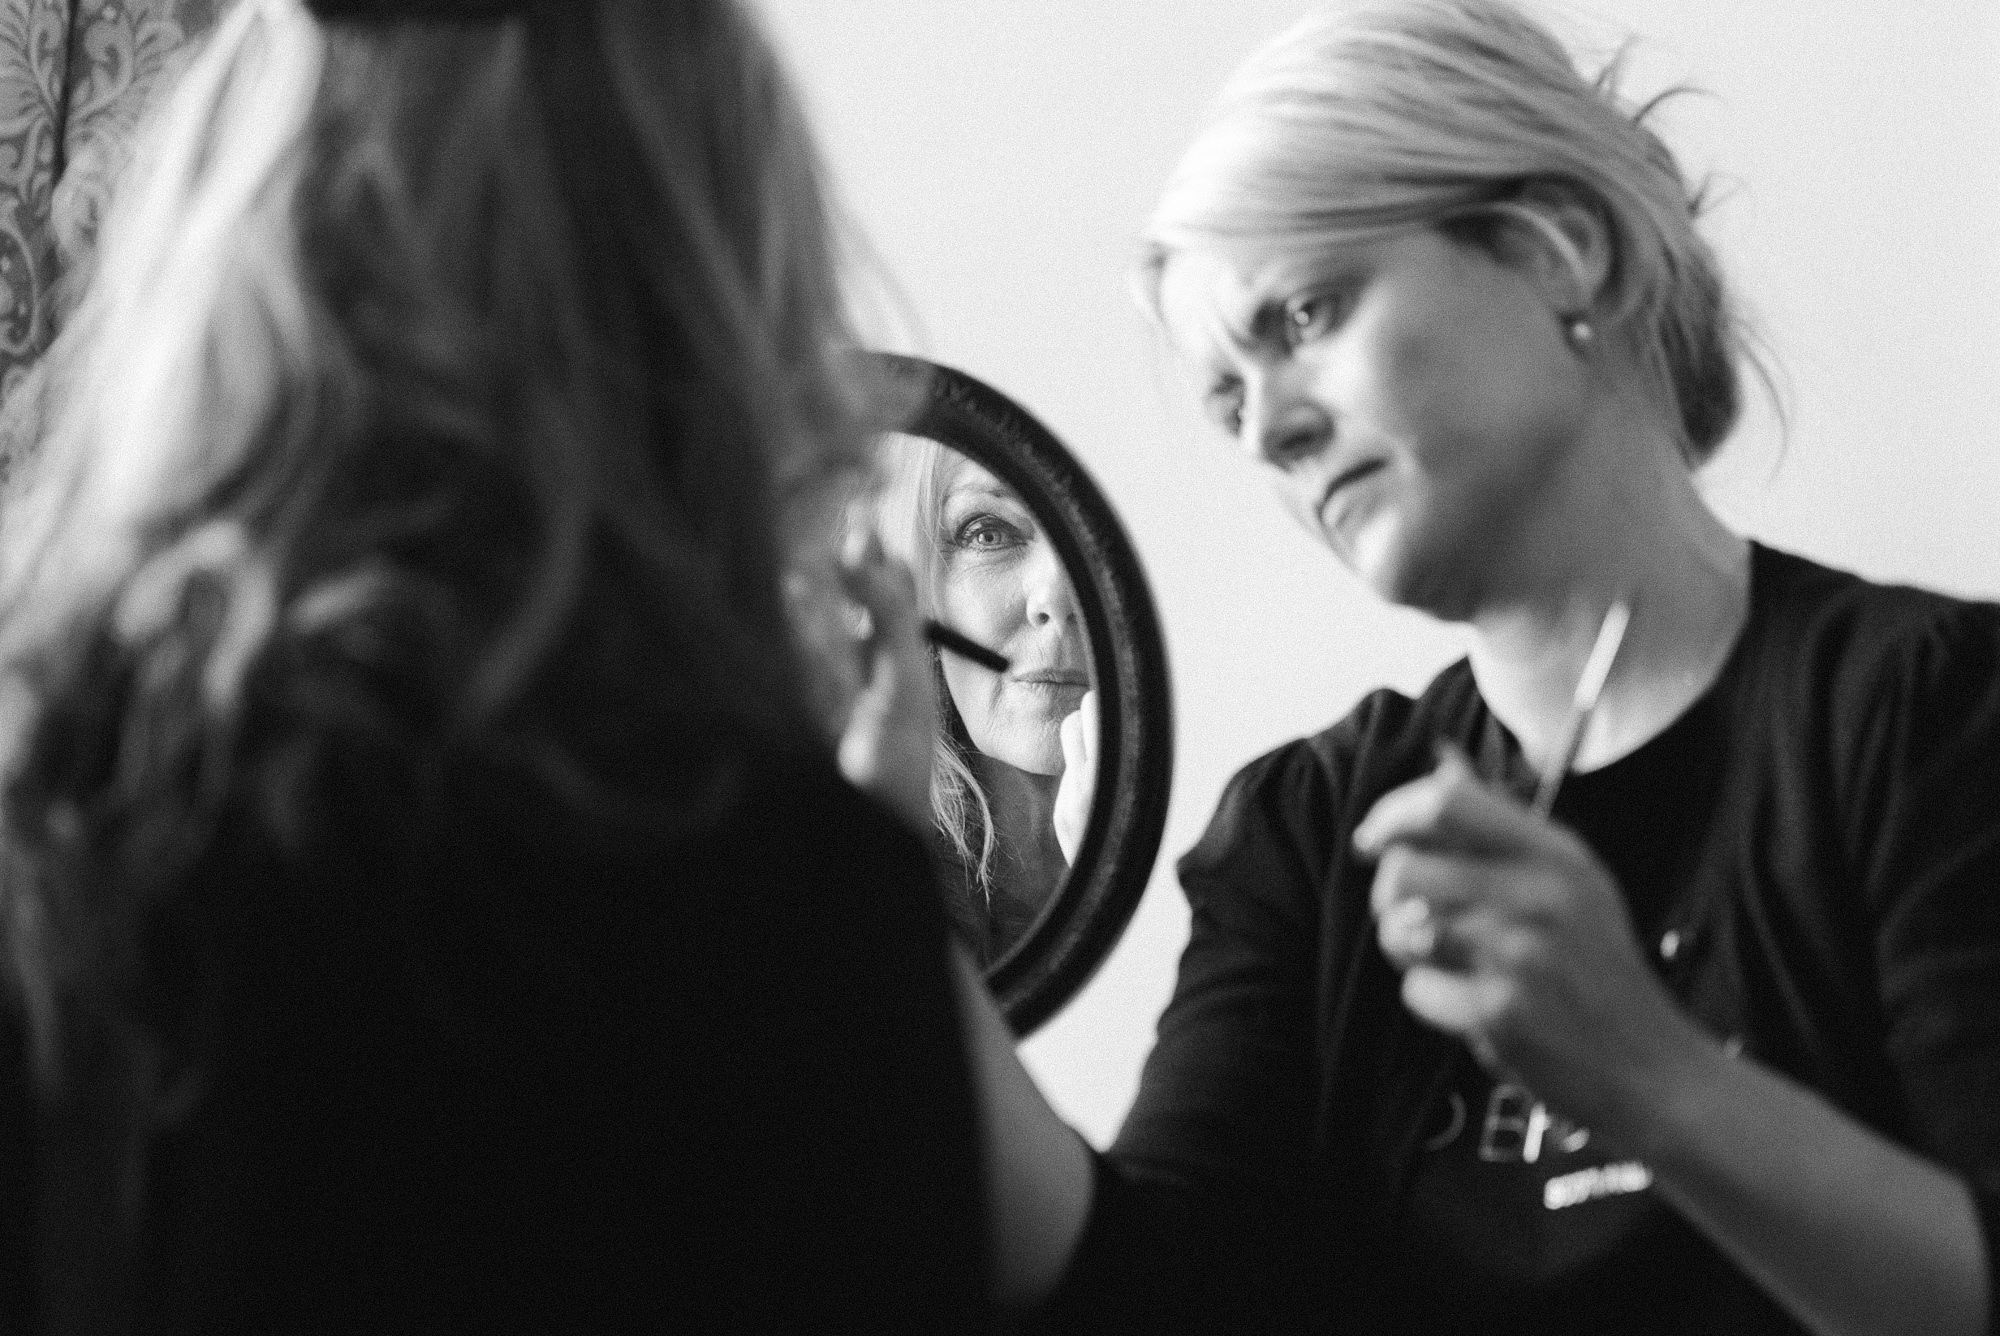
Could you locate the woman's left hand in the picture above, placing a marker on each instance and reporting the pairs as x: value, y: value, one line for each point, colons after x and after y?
x: 1513, y: 936
x: 1079, y: 776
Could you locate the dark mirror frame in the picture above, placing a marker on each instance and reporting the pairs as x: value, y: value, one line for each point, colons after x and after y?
x: 1041, y: 972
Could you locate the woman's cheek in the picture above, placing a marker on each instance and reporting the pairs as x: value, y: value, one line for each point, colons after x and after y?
x: 984, y: 604
x: 971, y: 691
x: 1423, y: 384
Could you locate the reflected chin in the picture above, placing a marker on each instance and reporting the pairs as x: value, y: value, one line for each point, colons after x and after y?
x: 1030, y: 745
x: 1039, y: 753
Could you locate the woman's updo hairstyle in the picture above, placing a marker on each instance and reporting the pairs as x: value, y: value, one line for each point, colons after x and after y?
x: 1364, y: 121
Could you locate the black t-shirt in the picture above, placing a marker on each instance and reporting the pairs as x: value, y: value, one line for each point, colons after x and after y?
x: 1812, y: 853
x: 1515, y: 1218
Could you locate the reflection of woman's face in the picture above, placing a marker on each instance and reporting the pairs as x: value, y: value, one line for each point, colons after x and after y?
x: 999, y: 582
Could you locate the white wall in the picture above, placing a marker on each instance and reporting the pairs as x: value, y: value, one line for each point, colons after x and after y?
x: 1002, y: 155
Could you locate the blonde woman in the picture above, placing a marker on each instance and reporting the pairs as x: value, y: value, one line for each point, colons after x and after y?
x: 1715, y: 1044
x: 1014, y: 764
x: 434, y: 904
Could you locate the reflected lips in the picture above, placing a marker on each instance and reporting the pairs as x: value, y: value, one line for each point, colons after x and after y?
x: 1054, y: 677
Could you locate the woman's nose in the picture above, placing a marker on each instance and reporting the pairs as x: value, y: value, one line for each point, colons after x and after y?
x: 1049, y: 595
x: 1282, y: 424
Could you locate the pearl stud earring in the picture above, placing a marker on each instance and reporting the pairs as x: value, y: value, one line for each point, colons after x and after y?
x: 1580, y: 333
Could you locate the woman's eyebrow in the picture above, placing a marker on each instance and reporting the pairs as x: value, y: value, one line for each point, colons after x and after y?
x: 1260, y: 327
x: 996, y: 491
x: 1265, y: 328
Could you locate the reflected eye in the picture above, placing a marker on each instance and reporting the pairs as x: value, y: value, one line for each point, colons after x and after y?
x: 1315, y: 314
x: 986, y: 532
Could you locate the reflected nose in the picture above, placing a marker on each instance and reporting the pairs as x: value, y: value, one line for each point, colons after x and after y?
x: 1283, y: 426
x: 1049, y: 595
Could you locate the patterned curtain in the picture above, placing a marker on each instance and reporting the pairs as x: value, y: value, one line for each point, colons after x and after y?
x: 74, y: 77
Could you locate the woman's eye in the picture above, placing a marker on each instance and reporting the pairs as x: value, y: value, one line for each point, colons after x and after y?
x: 986, y: 533
x: 1316, y: 313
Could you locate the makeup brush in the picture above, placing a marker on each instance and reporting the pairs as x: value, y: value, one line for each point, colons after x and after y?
x: 1603, y: 653
x: 945, y: 638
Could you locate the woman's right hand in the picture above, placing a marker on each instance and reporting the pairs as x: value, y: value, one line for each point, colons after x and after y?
x: 886, y: 744
x: 1513, y: 937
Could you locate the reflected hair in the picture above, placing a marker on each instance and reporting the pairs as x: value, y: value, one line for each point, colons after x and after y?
x: 1365, y: 121
x: 911, y: 508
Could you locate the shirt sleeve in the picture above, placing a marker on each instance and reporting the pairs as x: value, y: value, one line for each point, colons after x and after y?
x: 1198, y: 1209
x: 1925, y: 792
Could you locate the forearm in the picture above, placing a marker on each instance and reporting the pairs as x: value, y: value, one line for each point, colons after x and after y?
x: 1851, y: 1232
x: 1038, y: 1170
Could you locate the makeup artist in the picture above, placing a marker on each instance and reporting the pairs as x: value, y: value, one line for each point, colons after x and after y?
x: 1715, y: 1047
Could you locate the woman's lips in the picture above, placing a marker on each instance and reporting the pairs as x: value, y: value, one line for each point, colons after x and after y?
x: 1052, y: 677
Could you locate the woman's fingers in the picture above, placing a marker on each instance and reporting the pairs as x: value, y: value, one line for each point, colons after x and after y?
x: 1458, y: 919
x: 1079, y: 738
x: 1442, y: 880
x: 1454, y: 1001
x: 886, y: 746
x: 1079, y: 777
x: 1408, y: 933
x: 882, y: 589
x: 1453, y: 810
x: 1465, y: 1005
x: 895, y: 665
x: 1086, y: 719
x: 1510, y: 934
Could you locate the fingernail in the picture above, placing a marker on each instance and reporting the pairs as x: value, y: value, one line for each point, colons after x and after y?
x: 1449, y: 754
x: 1423, y: 930
x: 861, y: 547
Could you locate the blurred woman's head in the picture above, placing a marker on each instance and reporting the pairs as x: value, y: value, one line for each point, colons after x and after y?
x: 463, y: 362
x: 1465, y: 117
x: 547, y: 299
x: 517, y: 325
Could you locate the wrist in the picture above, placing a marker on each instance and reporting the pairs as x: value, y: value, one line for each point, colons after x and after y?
x: 1668, y: 1102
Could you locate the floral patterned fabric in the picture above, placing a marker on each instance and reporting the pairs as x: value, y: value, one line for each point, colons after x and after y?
x: 34, y: 56
x: 74, y: 77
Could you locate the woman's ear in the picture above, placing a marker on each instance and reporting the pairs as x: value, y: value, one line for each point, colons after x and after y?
x: 1564, y: 244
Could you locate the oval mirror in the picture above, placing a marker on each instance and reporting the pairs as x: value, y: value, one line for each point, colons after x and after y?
x: 1050, y: 791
